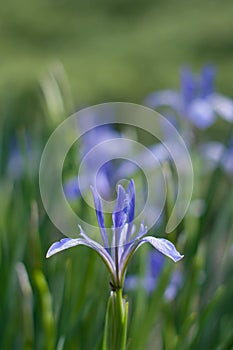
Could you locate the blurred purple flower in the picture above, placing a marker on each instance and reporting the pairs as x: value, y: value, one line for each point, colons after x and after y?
x: 216, y: 154
x: 197, y: 100
x: 22, y: 159
x: 174, y: 285
x: 155, y: 265
x: 105, y: 178
x: 160, y: 153
x: 71, y: 188
x: 116, y: 255
x: 154, y: 268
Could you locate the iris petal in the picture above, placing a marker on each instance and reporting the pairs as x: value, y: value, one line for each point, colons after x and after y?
x: 100, y: 217
x: 187, y: 85
x: 207, y: 80
x: 63, y: 244
x: 103, y: 252
x: 66, y: 243
x: 131, y: 199
x: 163, y: 246
x: 131, y: 194
x: 120, y: 212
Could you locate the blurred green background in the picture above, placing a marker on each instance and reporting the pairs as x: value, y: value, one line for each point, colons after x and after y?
x: 113, y: 50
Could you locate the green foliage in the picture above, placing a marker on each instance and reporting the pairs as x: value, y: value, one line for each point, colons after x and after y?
x: 112, y: 50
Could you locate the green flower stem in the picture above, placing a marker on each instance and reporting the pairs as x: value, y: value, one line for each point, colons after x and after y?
x: 115, y: 333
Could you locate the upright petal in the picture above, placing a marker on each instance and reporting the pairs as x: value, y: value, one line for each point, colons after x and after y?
x: 142, y: 231
x: 207, y: 80
x: 120, y: 212
x: 100, y: 217
x: 188, y: 85
x: 131, y: 200
x: 131, y: 205
x: 132, y: 244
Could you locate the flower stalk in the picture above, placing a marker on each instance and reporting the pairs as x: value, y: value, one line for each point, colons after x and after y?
x: 115, y: 333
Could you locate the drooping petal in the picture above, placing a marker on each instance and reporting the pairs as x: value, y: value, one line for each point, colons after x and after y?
x: 63, y: 244
x: 120, y: 211
x: 104, y: 253
x: 66, y: 243
x: 100, y: 217
x: 163, y: 246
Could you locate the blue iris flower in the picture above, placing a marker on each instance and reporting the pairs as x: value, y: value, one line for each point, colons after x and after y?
x: 197, y: 99
x: 125, y: 242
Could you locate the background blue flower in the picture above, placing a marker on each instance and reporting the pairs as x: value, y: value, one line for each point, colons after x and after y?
x: 196, y: 101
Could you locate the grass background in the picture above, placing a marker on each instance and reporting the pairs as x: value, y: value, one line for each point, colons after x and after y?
x: 115, y: 50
